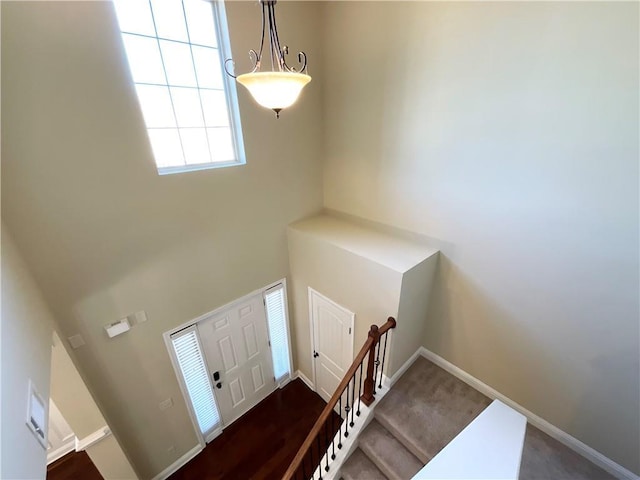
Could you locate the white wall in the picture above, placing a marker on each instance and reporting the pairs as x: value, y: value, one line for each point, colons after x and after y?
x: 25, y: 355
x: 106, y: 236
x: 508, y: 133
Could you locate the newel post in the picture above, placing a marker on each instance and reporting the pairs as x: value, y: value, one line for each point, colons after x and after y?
x: 369, y: 384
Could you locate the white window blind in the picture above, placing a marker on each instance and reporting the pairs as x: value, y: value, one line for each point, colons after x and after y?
x: 176, y: 50
x: 196, y: 379
x: 274, y: 301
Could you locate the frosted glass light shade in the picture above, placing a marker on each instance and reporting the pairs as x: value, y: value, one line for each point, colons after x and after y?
x: 274, y: 90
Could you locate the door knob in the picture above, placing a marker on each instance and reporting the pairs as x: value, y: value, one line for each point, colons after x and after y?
x: 315, y: 354
x: 219, y: 385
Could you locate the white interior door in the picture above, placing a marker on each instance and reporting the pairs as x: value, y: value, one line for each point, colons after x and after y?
x: 236, y: 346
x: 332, y: 327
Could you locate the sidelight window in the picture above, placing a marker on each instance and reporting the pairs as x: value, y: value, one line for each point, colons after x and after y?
x: 193, y: 368
x: 276, y: 310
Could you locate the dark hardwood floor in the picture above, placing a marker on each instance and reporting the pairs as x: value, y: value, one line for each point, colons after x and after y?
x: 73, y: 466
x: 262, y: 443
x: 259, y: 445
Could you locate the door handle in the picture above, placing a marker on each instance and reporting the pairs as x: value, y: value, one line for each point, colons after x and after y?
x: 219, y: 385
x: 216, y: 376
x: 315, y: 354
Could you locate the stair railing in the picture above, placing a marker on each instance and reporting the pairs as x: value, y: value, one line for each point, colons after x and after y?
x: 321, y: 442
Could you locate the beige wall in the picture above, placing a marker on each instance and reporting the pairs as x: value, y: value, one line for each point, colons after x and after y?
x: 79, y: 409
x: 415, y: 295
x: 368, y: 289
x: 27, y: 327
x: 508, y: 133
x: 71, y: 394
x: 106, y: 236
x: 110, y: 460
x: 374, y: 271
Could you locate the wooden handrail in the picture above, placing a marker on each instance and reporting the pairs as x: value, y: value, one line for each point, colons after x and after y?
x: 368, y: 347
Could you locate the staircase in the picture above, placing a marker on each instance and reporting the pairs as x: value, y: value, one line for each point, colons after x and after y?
x: 424, y: 411
x: 421, y: 414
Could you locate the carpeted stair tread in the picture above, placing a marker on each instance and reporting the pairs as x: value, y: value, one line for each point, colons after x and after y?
x: 427, y: 407
x: 359, y: 467
x: 545, y: 457
x: 388, y: 454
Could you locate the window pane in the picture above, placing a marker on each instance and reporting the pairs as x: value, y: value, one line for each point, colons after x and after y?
x: 144, y: 59
x: 175, y: 63
x: 214, y: 104
x: 200, y: 21
x: 187, y: 106
x: 135, y: 16
x: 221, y: 144
x: 169, y: 18
x: 178, y: 63
x: 196, y: 378
x: 194, y: 143
x: 207, y: 62
x: 165, y: 143
x: 155, y: 103
x: 277, y: 321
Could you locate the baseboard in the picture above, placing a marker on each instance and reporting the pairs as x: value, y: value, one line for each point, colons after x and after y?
x: 286, y: 381
x: 304, y: 378
x: 175, y: 466
x: 93, y: 438
x: 396, y: 376
x: 563, y: 437
x: 60, y: 452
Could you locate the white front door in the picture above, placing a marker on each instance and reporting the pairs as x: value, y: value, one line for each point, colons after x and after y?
x: 332, y: 327
x: 236, y: 346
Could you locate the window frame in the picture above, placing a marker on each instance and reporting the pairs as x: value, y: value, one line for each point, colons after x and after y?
x: 203, y: 439
x: 223, y: 48
x: 282, y: 285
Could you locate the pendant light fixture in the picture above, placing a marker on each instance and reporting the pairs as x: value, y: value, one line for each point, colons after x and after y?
x: 279, y: 87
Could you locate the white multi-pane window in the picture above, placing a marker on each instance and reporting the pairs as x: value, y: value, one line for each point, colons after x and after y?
x: 176, y: 51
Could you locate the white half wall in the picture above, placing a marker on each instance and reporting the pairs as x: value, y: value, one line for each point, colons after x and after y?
x: 368, y: 289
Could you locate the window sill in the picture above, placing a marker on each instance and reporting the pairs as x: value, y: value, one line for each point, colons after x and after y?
x: 196, y: 168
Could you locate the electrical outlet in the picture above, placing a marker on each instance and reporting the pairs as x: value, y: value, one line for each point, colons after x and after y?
x: 165, y: 404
